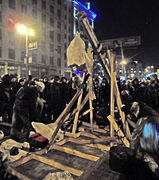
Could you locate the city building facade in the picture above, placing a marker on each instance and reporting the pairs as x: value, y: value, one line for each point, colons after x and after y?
x: 52, y: 21
x: 126, y: 50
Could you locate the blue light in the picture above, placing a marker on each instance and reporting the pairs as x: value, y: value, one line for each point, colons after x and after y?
x: 93, y: 14
x: 77, y: 72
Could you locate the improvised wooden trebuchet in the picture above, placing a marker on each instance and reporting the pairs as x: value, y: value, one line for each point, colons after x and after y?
x: 97, y: 47
x: 66, y: 114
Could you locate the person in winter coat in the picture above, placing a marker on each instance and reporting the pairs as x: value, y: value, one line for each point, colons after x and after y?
x: 24, y: 112
x: 56, y: 97
x: 64, y: 91
x: 141, y: 93
x: 135, y: 86
x: 105, y: 93
x: 6, y: 99
x: 152, y: 97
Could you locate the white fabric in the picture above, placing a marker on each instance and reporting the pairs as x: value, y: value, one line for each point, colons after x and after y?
x: 76, y: 52
x: 47, y: 130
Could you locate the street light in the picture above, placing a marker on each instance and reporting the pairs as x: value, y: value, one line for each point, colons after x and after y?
x: 123, y: 63
x: 22, y: 29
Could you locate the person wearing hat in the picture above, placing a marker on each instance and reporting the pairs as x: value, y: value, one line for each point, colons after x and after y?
x: 152, y: 95
x: 40, y: 101
x: 24, y: 111
x: 6, y: 99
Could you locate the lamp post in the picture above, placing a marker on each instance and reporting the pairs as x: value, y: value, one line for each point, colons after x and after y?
x: 123, y: 63
x: 22, y: 29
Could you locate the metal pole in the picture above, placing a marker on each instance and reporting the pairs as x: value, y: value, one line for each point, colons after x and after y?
x: 27, y: 53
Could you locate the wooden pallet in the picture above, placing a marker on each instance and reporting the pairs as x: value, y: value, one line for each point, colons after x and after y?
x: 79, y: 155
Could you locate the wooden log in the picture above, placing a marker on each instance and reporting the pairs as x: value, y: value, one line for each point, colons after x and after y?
x: 22, y: 160
x: 63, y: 115
x: 57, y: 165
x: 111, y: 60
x: 119, y: 131
x: 88, y: 125
x: 122, y: 114
x: 75, y: 153
x: 87, y: 143
x: 12, y: 171
x: 77, y: 114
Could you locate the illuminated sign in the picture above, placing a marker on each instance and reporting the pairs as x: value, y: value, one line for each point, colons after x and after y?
x: 81, y: 7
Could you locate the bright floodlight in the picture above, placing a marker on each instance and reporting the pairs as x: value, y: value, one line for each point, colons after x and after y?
x: 31, y: 32
x: 123, y: 62
x: 21, y: 29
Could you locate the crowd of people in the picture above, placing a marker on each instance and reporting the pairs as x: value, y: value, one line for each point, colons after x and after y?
x: 43, y: 100
x: 146, y: 91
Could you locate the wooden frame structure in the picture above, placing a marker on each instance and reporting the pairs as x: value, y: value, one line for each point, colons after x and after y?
x: 94, y: 141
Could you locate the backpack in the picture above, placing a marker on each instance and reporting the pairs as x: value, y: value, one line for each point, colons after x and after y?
x: 36, y: 141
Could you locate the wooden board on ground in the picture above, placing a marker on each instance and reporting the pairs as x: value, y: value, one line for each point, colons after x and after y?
x: 74, y: 155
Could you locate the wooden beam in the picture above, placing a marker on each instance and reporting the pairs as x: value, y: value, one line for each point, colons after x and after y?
x: 111, y: 60
x: 22, y: 160
x: 86, y: 112
x: 76, y: 153
x: 62, y: 117
x: 88, y: 125
x: 122, y: 114
x: 57, y: 165
x: 119, y: 131
x: 87, y: 143
x: 12, y: 171
x: 77, y: 114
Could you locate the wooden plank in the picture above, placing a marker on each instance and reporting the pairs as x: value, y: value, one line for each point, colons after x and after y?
x: 96, y: 130
x: 98, y: 139
x: 122, y: 114
x: 58, y: 165
x: 77, y: 114
x: 62, y: 117
x: 88, y: 135
x: 76, y: 153
x: 87, y: 143
x: 72, y: 135
x: 16, y: 173
x: 88, y: 125
x: 85, y: 149
x: 22, y: 160
x: 119, y: 131
x: 86, y: 112
x: 111, y: 60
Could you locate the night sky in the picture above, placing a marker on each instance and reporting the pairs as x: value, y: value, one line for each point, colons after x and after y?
x: 122, y: 18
